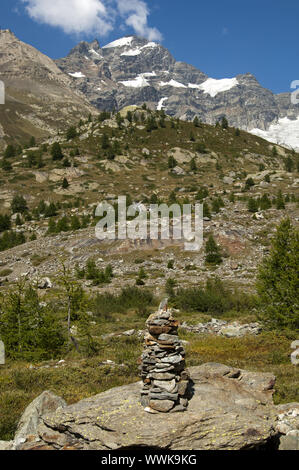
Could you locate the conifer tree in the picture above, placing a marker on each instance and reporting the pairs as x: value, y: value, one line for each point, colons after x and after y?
x: 196, y: 121
x: 278, y: 279
x: 252, y: 205
x: 65, y: 183
x: 213, y: 253
x: 280, y: 201
x: 56, y: 151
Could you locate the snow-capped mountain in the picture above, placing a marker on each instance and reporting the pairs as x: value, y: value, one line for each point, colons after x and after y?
x: 132, y: 70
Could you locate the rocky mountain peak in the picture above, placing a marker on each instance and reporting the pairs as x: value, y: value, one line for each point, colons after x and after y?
x: 6, y: 33
x: 132, y: 70
x: 84, y: 48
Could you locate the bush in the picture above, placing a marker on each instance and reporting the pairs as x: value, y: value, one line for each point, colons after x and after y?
x: 71, y: 133
x: 19, y: 204
x: 5, y: 223
x: 10, y: 151
x: 249, y: 183
x: 214, y: 298
x: 56, y: 151
x: 11, y: 239
x: 6, y: 165
x: 92, y: 273
x: 129, y: 298
x: 29, y: 330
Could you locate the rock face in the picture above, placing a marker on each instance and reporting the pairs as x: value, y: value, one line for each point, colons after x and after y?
x: 27, y: 431
x: 132, y: 71
x: 165, y: 382
x: 229, y: 409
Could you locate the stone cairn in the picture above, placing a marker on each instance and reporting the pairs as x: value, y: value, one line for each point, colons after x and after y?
x: 165, y: 380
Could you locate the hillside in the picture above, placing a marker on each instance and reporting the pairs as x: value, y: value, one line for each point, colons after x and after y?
x: 38, y: 99
x: 52, y: 263
x: 113, y: 155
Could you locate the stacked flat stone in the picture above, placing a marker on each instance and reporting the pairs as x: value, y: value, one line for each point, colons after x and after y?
x: 165, y: 380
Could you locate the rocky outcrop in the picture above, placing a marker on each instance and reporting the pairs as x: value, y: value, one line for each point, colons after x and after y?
x: 27, y: 430
x: 223, y: 328
x: 230, y: 409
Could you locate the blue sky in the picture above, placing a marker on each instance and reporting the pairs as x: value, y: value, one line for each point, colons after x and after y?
x: 221, y: 38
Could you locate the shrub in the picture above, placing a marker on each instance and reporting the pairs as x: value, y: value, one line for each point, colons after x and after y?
x: 65, y: 183
x: 19, y: 204
x: 29, y: 330
x: 10, y: 151
x: 71, y: 133
x: 213, y: 298
x: 5, y: 223
x: 56, y: 151
x: 129, y: 298
x: 252, y: 205
x: 249, y: 183
x: 279, y: 201
x: 11, y: 239
x: 6, y: 165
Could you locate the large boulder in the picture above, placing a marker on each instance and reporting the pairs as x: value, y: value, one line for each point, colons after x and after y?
x: 229, y: 409
x: 27, y: 429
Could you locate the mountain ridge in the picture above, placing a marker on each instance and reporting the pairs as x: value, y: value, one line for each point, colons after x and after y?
x: 132, y: 70
x: 38, y: 95
x: 45, y: 95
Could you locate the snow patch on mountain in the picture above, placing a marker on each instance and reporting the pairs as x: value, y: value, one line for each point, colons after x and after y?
x: 139, y: 50
x: 131, y: 52
x: 77, y: 75
x: 119, y: 42
x: 148, y: 74
x: 138, y: 82
x: 212, y: 86
x: 283, y: 132
x: 173, y: 83
x: 161, y: 103
x: 92, y: 51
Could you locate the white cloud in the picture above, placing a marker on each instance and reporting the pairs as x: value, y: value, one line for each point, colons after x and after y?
x: 136, y: 13
x: 92, y: 16
x: 72, y: 16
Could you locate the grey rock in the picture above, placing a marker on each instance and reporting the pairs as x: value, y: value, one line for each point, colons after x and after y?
x: 45, y: 403
x: 216, y: 418
x: 161, y: 405
x: 289, y: 443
